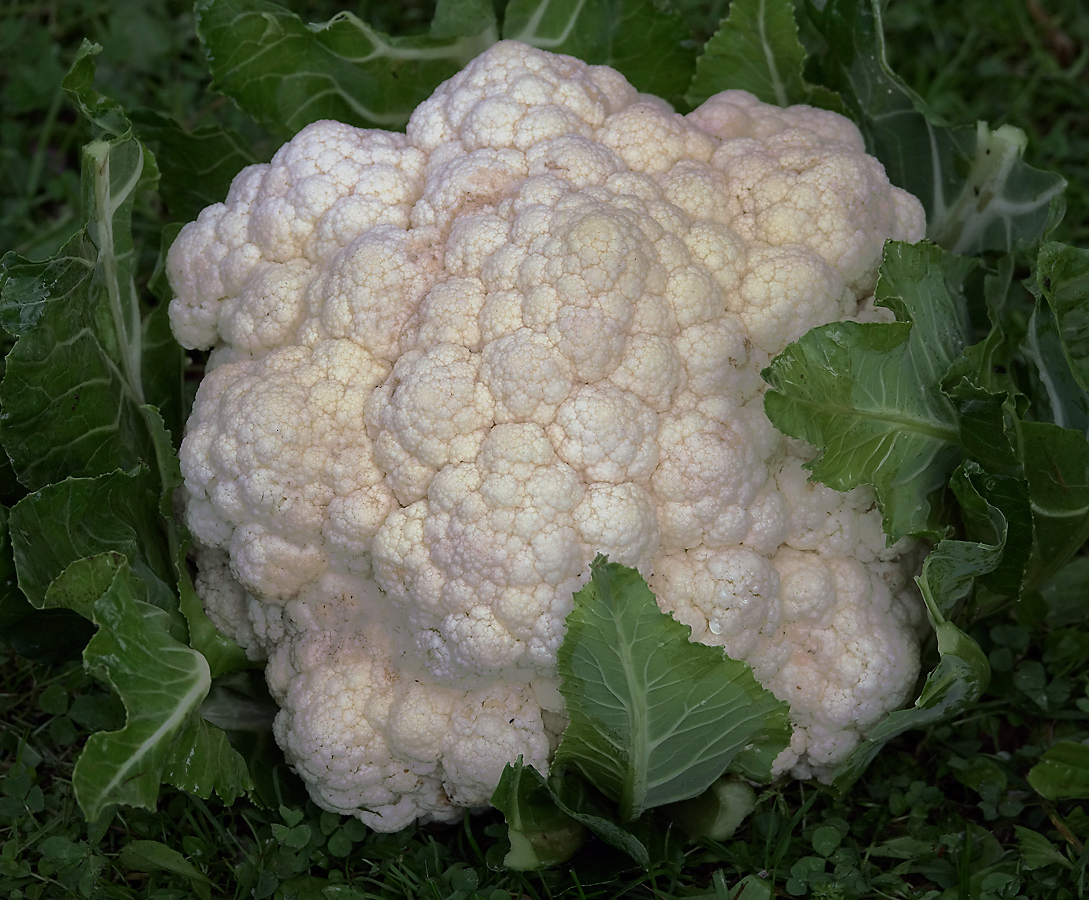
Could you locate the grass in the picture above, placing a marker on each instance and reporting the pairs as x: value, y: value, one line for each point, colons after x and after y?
x: 942, y: 813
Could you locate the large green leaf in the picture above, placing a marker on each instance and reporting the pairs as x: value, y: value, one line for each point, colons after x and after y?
x: 240, y: 705
x: 9, y: 584
x: 988, y: 365
x: 80, y: 585
x: 286, y: 73
x: 71, y: 404
x: 654, y: 717
x: 646, y: 42
x: 757, y: 50
x: 41, y: 635
x: 73, y: 392
x: 160, y: 681
x: 977, y: 191
x: 1057, y: 469
x: 197, y: 166
x: 163, y: 375
x: 461, y: 18
x: 869, y: 397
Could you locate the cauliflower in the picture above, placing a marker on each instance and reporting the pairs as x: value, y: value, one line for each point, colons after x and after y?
x: 451, y: 366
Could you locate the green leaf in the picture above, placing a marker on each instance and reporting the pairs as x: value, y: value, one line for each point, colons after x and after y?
x: 952, y: 567
x: 1060, y: 399
x: 105, y: 114
x: 223, y: 654
x: 54, y: 700
x: 73, y: 391
x: 14, y: 608
x: 163, y: 375
x: 461, y: 18
x: 978, y: 193
x: 202, y: 761
x: 154, y: 856
x: 757, y: 50
x: 868, y: 396
x: 1056, y: 337
x: 72, y: 400
x: 654, y: 717
x: 240, y: 705
x: 287, y: 74
x: 64, y: 851
x: 826, y: 838
x: 80, y: 585
x: 85, y: 517
x: 993, y: 365
x: 161, y: 683
x: 1066, y: 594
x: 980, y: 773
x: 240, y: 702
x: 1062, y: 279
x: 13, y: 604
x: 159, y: 286
x: 44, y: 636
x: 1057, y: 469
x: 990, y: 430
x: 197, y: 166
x: 540, y: 834
x: 991, y: 488
x: 1062, y: 773
x: 1037, y: 851
x: 646, y: 42
x: 1001, y: 201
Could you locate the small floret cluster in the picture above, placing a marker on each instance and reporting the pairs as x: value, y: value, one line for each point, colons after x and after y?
x: 451, y: 366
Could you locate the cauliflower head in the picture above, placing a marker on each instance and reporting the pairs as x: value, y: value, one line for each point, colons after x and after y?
x: 451, y: 366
